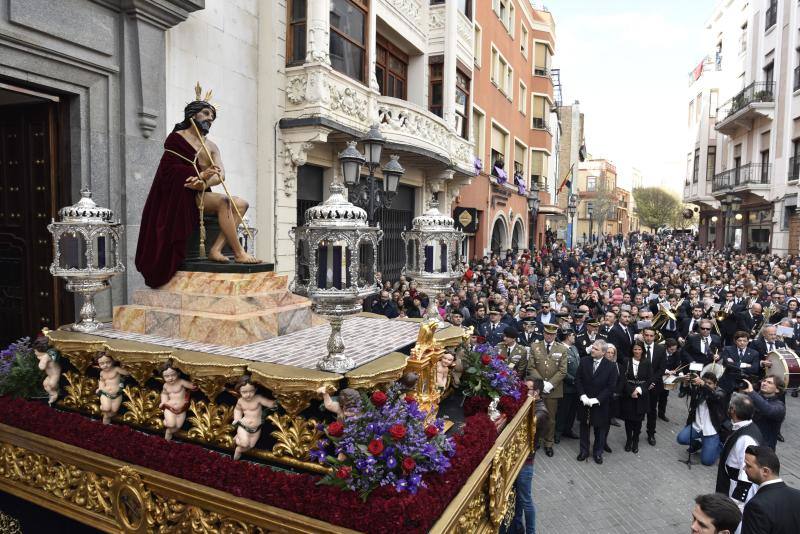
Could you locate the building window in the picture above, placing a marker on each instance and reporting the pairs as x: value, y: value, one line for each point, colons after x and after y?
x: 296, y: 36
x: 499, y: 146
x: 539, y: 112
x: 699, y: 107
x: 465, y: 6
x: 348, y: 48
x: 523, y: 40
x: 769, y: 75
x: 523, y: 98
x: 794, y: 161
x: 539, y: 166
x: 476, y: 43
x: 478, y: 132
x: 713, y: 102
x: 504, y: 9
x: 495, y: 67
x: 771, y: 15
x: 541, y: 59
x: 743, y: 39
x: 391, y: 69
x: 520, y: 151
x: 436, y: 78
x: 509, y: 84
x: 691, y: 112
x: 711, y: 159
x: 764, y: 171
x: 462, y: 103
x: 591, y: 183
x: 696, y: 167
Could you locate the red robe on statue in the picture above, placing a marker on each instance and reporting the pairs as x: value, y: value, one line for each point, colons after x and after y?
x: 170, y: 215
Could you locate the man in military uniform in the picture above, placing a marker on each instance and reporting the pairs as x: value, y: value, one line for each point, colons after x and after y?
x: 608, y: 322
x: 584, y: 341
x: 516, y: 355
x: 493, y: 329
x: 548, y: 362
x: 532, y: 331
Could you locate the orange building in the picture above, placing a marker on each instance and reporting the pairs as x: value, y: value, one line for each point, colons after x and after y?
x: 512, y: 124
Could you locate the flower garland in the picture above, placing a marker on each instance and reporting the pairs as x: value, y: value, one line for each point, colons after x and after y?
x: 386, y: 444
x: 488, y: 375
x: 385, y: 511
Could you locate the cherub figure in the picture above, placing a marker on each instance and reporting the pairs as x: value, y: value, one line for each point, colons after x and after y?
x: 248, y: 416
x: 110, y: 385
x: 444, y: 370
x: 50, y: 363
x: 348, y: 403
x: 174, y: 399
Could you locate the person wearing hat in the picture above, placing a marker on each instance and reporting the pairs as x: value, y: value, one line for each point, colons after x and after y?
x: 516, y: 355
x: 584, y: 340
x: 531, y: 331
x: 568, y: 405
x: 578, y: 323
x: 548, y: 362
x: 493, y: 329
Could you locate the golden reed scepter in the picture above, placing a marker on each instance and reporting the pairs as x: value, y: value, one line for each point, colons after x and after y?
x: 225, y: 187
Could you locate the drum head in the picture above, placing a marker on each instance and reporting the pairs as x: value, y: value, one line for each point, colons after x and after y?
x: 779, y: 366
x: 716, y: 368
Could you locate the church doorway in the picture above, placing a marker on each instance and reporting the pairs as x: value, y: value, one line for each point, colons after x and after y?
x: 499, y: 237
x: 34, y: 184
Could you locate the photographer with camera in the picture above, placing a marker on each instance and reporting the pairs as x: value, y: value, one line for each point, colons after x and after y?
x: 770, y: 409
x: 705, y: 428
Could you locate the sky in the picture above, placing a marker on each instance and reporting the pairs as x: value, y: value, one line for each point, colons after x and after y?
x: 627, y: 62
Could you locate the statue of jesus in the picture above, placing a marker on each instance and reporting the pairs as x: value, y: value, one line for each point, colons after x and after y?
x: 190, y: 166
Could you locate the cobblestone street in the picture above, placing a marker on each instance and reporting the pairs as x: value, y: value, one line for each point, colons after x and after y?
x: 649, y: 492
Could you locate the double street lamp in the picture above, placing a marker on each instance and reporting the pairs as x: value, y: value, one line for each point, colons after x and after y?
x: 572, y: 209
x: 533, y: 208
x: 732, y: 204
x: 366, y: 194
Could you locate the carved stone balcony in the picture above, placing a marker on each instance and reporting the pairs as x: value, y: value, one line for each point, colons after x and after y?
x: 318, y: 95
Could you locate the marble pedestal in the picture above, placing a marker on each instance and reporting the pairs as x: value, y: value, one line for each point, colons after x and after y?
x: 231, y: 309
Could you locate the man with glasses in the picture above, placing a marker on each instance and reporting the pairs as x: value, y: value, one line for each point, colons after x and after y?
x: 703, y: 346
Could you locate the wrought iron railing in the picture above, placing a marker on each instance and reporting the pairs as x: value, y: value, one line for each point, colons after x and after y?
x: 755, y: 92
x: 750, y: 174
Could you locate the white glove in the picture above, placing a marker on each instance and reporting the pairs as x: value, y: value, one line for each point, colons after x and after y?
x: 585, y: 400
x: 744, y: 365
x: 594, y: 402
x: 548, y: 387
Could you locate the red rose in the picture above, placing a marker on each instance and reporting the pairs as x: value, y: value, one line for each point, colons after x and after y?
x: 343, y: 472
x: 335, y: 429
x: 503, y: 374
x: 501, y: 358
x: 431, y: 431
x: 397, y: 431
x: 410, y: 398
x: 409, y: 464
x: 375, y: 447
x: 485, y: 359
x: 379, y: 398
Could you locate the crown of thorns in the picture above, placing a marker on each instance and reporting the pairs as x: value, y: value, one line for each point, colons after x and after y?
x: 199, y: 97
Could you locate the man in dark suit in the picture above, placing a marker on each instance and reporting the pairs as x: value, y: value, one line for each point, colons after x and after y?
x: 531, y: 332
x: 691, y: 324
x: 775, y: 508
x: 621, y: 336
x: 657, y: 356
x: 493, y: 329
x: 595, y: 382
x: 740, y: 361
x: 584, y: 341
x: 767, y: 342
x: 702, y: 347
x: 750, y: 321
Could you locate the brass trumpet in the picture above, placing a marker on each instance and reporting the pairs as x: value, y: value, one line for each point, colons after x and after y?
x: 660, y: 320
x: 724, y: 312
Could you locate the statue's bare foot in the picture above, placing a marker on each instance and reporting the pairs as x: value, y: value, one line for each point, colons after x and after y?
x: 217, y: 256
x: 246, y: 258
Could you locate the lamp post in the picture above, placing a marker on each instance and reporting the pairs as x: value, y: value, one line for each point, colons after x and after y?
x: 732, y: 204
x: 533, y: 208
x: 590, y: 213
x: 572, y: 209
x: 366, y: 194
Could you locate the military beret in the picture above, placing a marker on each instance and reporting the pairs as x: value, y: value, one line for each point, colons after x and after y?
x: 550, y: 328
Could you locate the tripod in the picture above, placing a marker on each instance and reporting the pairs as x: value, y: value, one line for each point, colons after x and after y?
x: 692, y: 398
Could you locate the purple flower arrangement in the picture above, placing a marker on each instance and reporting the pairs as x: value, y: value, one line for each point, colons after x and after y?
x: 478, y: 163
x: 386, y: 444
x: 19, y: 371
x: 487, y: 374
x: 500, y: 174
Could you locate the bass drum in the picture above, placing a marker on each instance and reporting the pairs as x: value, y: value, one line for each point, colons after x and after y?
x: 785, y: 364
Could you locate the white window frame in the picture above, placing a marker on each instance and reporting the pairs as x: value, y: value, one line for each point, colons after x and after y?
x: 525, y: 161
x: 477, y: 48
x: 494, y: 68
x: 523, y: 97
x: 506, y: 149
x: 480, y: 144
x: 510, y: 82
x: 549, y: 57
x: 524, y: 40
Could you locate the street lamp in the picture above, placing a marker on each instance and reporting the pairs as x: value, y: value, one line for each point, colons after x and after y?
x: 533, y: 208
x: 590, y: 212
x: 572, y: 209
x: 365, y: 194
x: 732, y: 204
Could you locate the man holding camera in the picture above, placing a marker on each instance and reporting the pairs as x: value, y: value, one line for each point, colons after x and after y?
x: 770, y: 409
x: 706, y: 418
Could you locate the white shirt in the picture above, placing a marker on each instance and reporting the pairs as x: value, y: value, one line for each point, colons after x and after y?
x: 702, y: 421
x: 768, y: 482
x: 635, y: 373
x: 736, y: 460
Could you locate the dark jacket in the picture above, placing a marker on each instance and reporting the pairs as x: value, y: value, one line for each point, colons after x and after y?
x: 632, y: 409
x: 774, y: 509
x: 693, y: 350
x: 387, y: 309
x: 492, y: 333
x: 620, y: 338
x: 717, y: 404
x: 599, y: 385
x: 770, y: 412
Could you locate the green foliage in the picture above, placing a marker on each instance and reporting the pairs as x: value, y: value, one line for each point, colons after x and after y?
x: 656, y: 207
x: 19, y: 371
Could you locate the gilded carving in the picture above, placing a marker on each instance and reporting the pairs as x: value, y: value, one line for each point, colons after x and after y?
x: 501, y: 476
x: 142, y: 407
x: 295, y: 435
x: 474, y: 514
x: 80, y: 393
x: 65, y: 481
x: 81, y: 359
x: 211, y: 423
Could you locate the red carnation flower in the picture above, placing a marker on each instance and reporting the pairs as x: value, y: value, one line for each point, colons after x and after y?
x: 410, y: 398
x: 343, y: 472
x: 503, y: 374
x: 335, y: 429
x: 375, y: 447
x: 431, y: 431
x: 397, y: 431
x: 409, y: 464
x: 485, y: 359
x: 379, y: 398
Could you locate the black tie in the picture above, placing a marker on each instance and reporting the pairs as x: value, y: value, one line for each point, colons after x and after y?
x: 741, y: 354
x: 649, y: 354
x: 596, y: 365
x: 770, y: 348
x: 548, y: 348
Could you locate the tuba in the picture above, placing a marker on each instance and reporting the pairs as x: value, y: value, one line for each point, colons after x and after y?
x: 660, y: 320
x: 724, y: 312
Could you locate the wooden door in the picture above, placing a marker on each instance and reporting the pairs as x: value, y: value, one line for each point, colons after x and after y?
x: 29, y: 295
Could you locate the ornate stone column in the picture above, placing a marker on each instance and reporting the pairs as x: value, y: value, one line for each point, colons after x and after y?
x: 318, y: 32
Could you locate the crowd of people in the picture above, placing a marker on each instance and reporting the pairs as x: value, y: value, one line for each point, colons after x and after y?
x: 611, y: 330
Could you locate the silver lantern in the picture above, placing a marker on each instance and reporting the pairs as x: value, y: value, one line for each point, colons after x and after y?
x: 86, y: 244
x: 432, y: 254
x: 337, y: 260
